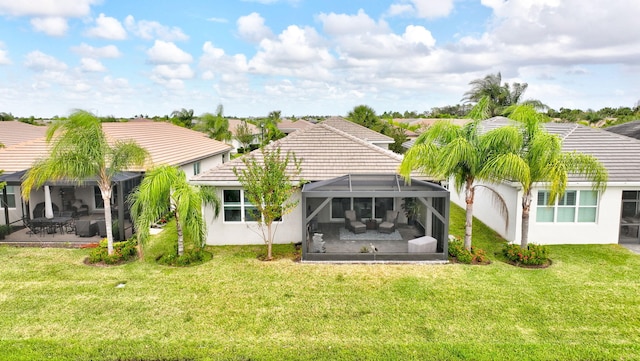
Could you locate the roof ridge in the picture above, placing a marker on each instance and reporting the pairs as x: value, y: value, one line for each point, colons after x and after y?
x: 353, y: 124
x: 573, y: 129
x: 360, y: 140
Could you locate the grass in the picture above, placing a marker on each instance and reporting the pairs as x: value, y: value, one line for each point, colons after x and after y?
x: 235, y: 307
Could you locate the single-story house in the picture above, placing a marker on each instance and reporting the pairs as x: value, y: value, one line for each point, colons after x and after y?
x: 166, y: 143
x: 343, y: 173
x: 581, y: 216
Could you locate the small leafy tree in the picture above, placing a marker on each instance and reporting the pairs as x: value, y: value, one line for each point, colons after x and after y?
x: 244, y: 135
x: 267, y: 184
x: 165, y: 191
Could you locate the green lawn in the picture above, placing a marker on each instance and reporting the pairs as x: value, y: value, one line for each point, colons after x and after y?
x: 585, y: 306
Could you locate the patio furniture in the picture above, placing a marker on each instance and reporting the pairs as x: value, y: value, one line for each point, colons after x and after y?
x: 86, y: 228
x: 351, y: 222
x: 102, y: 227
x: 389, y: 223
x: 79, y: 208
x: 424, y: 244
x: 38, y: 210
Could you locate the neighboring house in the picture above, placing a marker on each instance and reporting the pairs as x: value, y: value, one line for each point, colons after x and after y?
x: 359, y: 131
x: 166, y: 143
x: 233, y: 126
x: 288, y: 126
x: 581, y: 216
x: 342, y: 172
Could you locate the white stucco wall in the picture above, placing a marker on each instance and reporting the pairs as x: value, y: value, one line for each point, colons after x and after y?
x: 205, y: 164
x: 604, y: 231
x: 220, y: 232
x: 485, y: 210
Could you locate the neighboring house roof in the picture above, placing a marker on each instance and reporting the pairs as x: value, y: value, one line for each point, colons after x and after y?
x: 287, y: 126
x: 427, y: 122
x: 357, y: 130
x: 14, y: 132
x: 165, y: 142
x: 233, y: 124
x: 619, y: 154
x: 326, y: 153
x: 631, y: 129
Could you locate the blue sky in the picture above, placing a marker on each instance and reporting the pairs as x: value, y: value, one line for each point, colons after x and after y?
x: 305, y: 57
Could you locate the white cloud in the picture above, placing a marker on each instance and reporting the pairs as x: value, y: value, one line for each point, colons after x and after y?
x: 180, y: 71
x: 150, y: 30
x: 108, y: 51
x: 107, y: 28
x: 251, y: 28
x: 214, y: 60
x: 47, y: 8
x: 218, y: 20
x: 296, y: 51
x: 359, y: 24
x: 427, y: 9
x: 39, y: 61
x: 4, y: 55
x: 91, y: 65
x: 163, y: 52
x: 53, y: 26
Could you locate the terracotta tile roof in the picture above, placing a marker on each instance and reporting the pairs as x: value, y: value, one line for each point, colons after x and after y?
x: 326, y: 153
x: 618, y: 153
x: 233, y: 123
x: 165, y: 142
x: 357, y: 130
x: 287, y: 126
x: 14, y: 132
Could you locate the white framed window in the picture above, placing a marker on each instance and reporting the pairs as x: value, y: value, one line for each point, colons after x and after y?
x: 196, y: 168
x: 572, y: 207
x: 11, y: 197
x: 236, y: 207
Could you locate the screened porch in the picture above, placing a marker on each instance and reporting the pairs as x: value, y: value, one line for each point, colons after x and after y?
x: 375, y: 217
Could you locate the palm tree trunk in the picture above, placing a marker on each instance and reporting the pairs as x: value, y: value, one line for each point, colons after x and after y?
x: 526, y: 208
x: 106, y: 199
x: 468, y: 225
x: 180, y: 236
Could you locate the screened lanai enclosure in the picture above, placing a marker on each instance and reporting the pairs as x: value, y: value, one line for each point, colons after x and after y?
x: 375, y: 217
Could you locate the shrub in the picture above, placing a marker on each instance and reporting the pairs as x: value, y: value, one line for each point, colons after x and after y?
x: 534, y: 254
x: 462, y: 255
x: 188, y: 258
x: 122, y: 252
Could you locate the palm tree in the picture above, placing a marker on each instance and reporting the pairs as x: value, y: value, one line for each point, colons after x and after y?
x: 500, y: 96
x: 183, y: 117
x: 365, y: 116
x: 215, y: 126
x: 537, y: 157
x: 80, y: 150
x: 446, y: 150
x: 164, y: 190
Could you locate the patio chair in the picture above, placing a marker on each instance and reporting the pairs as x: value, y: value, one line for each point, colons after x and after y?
x: 86, y: 228
x: 32, y: 228
x: 352, y: 223
x: 390, y: 222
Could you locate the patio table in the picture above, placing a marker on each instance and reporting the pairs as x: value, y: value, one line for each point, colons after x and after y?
x: 51, y: 224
